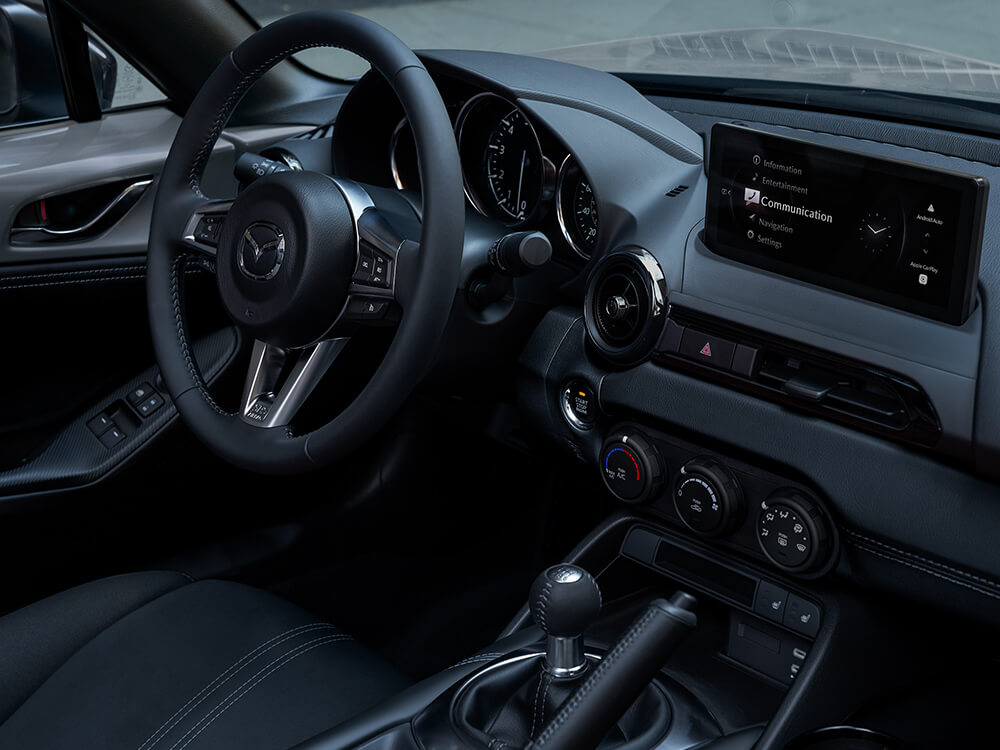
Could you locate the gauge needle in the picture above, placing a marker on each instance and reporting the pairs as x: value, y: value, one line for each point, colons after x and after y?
x: 876, y: 231
x: 520, y: 179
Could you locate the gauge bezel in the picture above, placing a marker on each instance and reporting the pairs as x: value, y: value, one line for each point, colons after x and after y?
x: 568, y: 163
x: 393, y: 143
x: 547, y: 168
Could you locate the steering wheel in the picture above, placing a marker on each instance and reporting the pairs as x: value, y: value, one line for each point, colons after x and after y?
x: 294, y: 260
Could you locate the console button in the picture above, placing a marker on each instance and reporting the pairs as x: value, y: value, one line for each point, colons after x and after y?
x: 670, y: 341
x: 140, y: 394
x: 579, y: 404
x: 100, y: 424
x: 112, y: 437
x: 707, y: 349
x: 770, y: 601
x: 801, y: 616
x: 745, y: 360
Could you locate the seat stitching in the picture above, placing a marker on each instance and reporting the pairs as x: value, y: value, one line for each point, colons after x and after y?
x: 475, y: 659
x: 211, y: 687
x: 226, y: 703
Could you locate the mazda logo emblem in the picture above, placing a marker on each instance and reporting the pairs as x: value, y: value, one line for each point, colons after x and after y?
x: 262, y: 248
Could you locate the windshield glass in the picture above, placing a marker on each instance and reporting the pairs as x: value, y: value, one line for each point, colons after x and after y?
x: 941, y: 47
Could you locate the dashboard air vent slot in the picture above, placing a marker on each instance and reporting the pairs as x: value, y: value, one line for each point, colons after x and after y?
x: 625, y: 305
x: 677, y: 191
x: 799, y: 376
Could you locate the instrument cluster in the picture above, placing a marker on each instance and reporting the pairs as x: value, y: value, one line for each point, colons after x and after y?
x: 508, y: 171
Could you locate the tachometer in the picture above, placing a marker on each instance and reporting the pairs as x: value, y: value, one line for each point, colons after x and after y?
x: 514, y: 166
x: 576, y: 208
x: 502, y: 161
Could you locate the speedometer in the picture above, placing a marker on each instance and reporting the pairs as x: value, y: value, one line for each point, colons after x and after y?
x: 576, y: 208
x: 502, y: 161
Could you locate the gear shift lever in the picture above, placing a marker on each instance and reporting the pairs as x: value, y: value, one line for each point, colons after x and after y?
x: 564, y: 601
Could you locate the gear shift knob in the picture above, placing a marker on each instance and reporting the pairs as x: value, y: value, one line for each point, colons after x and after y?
x: 564, y: 600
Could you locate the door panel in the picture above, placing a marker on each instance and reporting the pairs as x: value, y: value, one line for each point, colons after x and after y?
x: 73, y: 312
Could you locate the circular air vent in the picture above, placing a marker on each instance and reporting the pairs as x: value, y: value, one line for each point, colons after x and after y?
x: 625, y: 305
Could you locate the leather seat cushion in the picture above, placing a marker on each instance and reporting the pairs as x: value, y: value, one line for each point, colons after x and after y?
x: 153, y: 662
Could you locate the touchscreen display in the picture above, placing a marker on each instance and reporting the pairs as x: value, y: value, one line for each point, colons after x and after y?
x: 897, y: 233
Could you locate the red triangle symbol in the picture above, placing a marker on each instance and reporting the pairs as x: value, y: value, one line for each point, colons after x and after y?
x: 707, y: 349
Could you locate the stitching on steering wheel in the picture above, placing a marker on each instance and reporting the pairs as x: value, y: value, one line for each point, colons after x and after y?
x: 201, y: 157
x: 175, y: 294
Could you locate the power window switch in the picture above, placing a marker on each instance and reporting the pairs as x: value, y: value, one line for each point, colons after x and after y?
x: 140, y: 394
x: 150, y: 405
x: 100, y: 424
x: 112, y: 437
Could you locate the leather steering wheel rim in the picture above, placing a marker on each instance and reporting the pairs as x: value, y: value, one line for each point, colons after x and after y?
x: 433, y: 271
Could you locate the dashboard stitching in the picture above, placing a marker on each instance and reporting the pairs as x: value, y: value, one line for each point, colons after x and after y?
x: 913, y: 555
x: 928, y: 571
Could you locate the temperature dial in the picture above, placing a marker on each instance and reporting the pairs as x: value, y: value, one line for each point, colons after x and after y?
x: 707, y: 497
x: 792, y: 531
x: 631, y: 467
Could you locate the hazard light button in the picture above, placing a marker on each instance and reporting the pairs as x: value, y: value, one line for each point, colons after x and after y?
x: 707, y: 349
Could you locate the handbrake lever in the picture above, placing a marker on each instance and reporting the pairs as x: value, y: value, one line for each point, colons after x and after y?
x: 601, y: 699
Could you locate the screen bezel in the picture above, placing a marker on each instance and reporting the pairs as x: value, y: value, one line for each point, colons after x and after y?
x: 973, y: 192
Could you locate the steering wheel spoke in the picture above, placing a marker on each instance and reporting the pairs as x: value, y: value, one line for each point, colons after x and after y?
x: 271, y: 400
x: 378, y: 284
x: 204, y: 226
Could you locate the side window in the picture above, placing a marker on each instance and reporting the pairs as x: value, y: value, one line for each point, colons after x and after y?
x: 119, y: 84
x: 30, y: 84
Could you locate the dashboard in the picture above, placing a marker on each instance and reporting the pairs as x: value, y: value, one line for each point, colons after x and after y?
x: 848, y: 369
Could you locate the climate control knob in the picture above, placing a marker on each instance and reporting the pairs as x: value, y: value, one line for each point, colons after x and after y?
x: 793, y: 532
x: 631, y: 467
x: 708, y: 498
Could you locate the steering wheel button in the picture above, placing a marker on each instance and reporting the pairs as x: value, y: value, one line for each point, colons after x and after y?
x: 362, y: 308
x: 363, y: 273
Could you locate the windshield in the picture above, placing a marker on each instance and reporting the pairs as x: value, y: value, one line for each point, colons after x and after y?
x: 922, y: 46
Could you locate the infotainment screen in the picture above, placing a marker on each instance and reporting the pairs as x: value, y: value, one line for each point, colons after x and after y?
x: 897, y: 233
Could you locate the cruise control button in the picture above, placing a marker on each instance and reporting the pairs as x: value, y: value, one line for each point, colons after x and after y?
x: 361, y: 308
x: 801, y: 616
x: 363, y: 273
x: 770, y: 601
x: 710, y: 350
